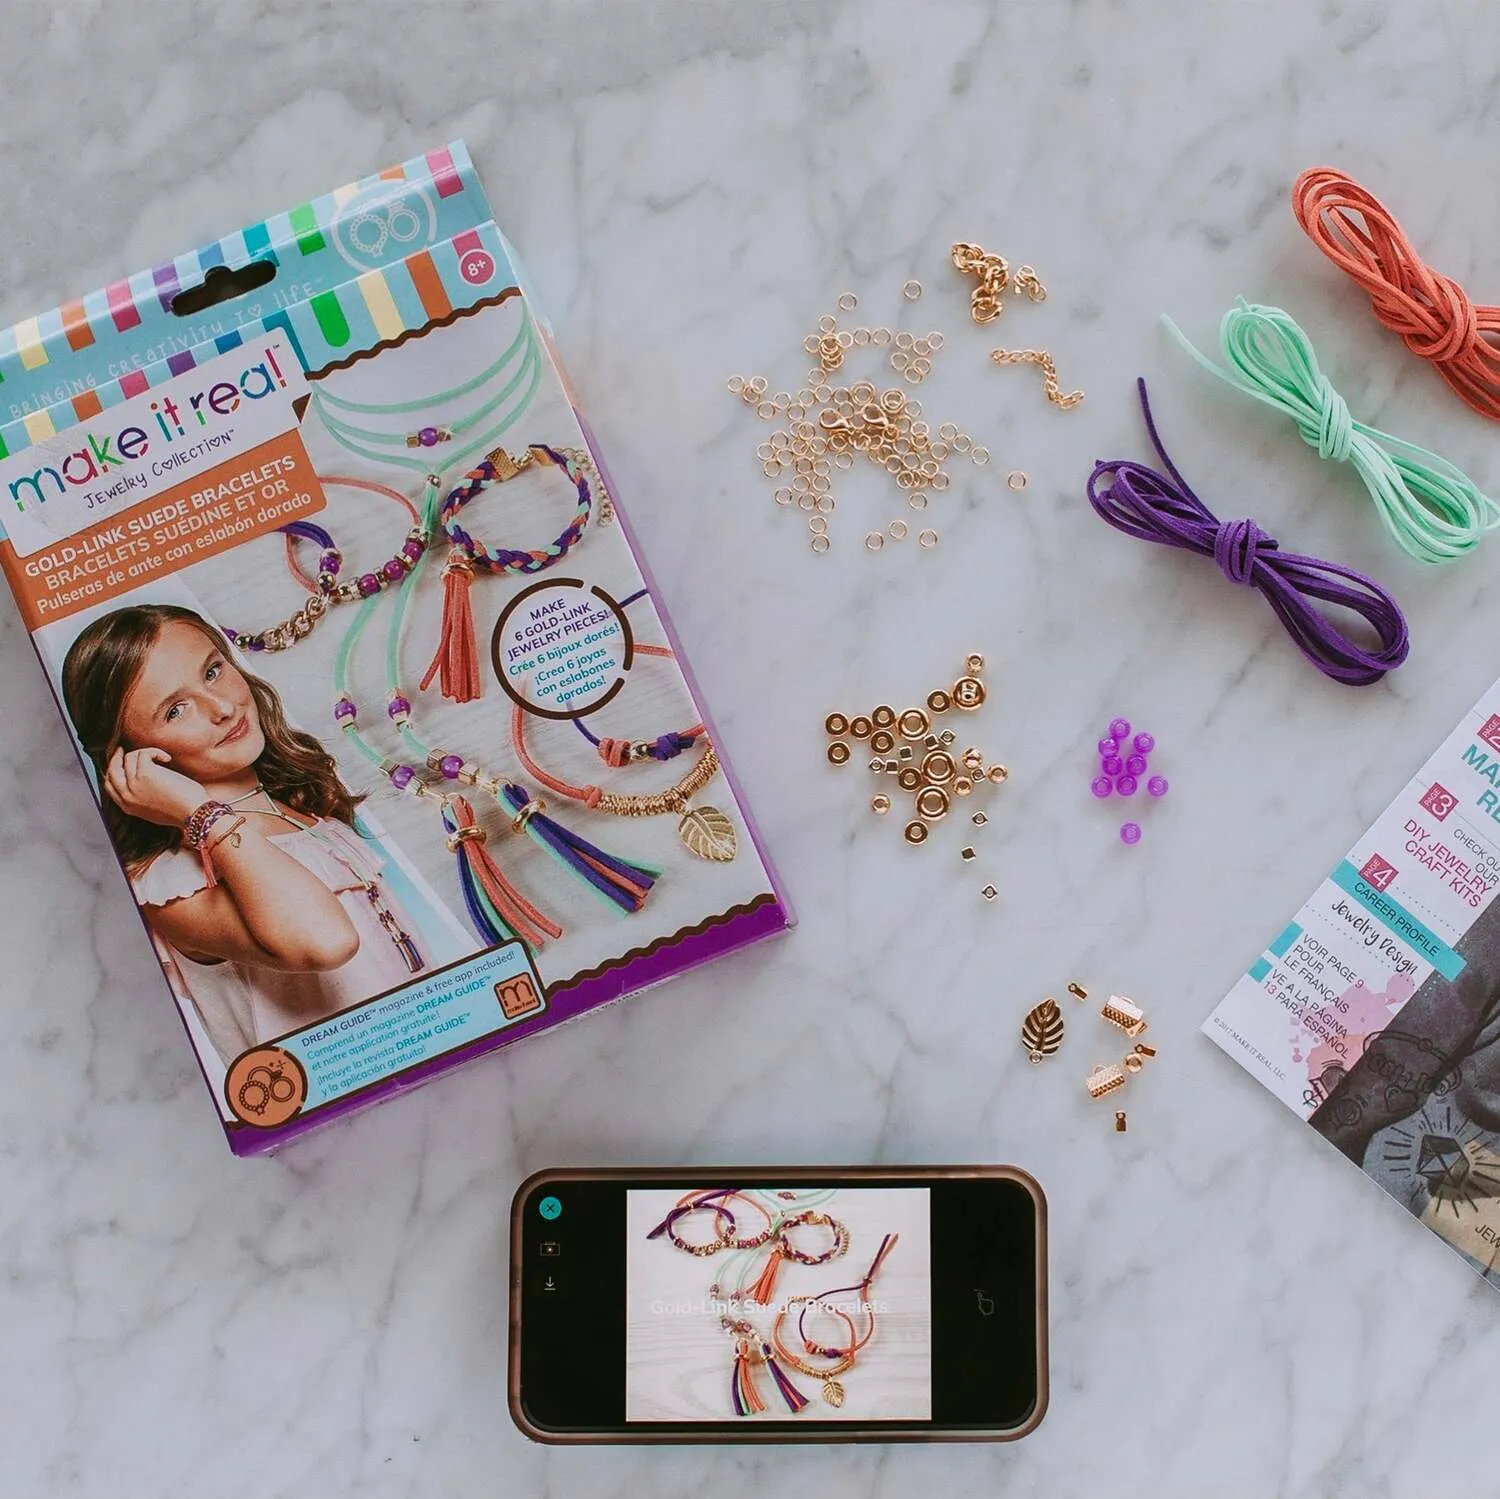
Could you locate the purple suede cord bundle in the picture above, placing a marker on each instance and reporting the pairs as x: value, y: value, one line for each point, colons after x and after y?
x: 1155, y: 507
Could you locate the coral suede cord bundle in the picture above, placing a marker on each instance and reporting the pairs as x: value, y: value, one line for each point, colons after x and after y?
x: 1430, y: 312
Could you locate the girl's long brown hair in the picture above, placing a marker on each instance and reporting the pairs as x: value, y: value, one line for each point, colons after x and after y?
x: 98, y: 672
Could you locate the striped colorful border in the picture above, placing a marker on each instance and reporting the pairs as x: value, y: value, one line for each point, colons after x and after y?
x: 72, y: 353
x: 363, y: 312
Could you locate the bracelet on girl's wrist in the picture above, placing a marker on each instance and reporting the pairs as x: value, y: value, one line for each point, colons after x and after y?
x: 201, y: 819
x: 222, y: 832
x: 206, y: 828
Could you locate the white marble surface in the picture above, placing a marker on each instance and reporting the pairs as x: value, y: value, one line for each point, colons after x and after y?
x: 1236, y: 1311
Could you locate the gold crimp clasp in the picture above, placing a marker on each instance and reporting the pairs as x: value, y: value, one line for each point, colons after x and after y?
x: 506, y: 466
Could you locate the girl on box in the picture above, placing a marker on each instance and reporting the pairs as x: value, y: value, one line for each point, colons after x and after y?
x: 234, y: 829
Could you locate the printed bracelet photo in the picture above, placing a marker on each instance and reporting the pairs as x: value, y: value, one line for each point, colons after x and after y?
x: 618, y: 753
x: 324, y: 588
x: 836, y: 1250
x: 201, y: 819
x: 455, y: 662
x: 726, y: 1229
x: 496, y: 908
x: 201, y: 824
x: 724, y: 1224
x: 843, y: 1358
x: 521, y: 358
x: 499, y: 468
x: 751, y: 1349
x: 704, y: 830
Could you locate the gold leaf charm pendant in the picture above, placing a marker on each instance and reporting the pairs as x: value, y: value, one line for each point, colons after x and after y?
x: 709, y: 834
x: 833, y: 1392
x: 1042, y: 1030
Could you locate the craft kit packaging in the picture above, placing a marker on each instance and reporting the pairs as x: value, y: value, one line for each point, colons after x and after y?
x: 384, y: 716
x: 1375, y: 1012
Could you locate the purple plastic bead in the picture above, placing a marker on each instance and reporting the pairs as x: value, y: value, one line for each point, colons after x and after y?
x: 392, y: 571
x: 330, y: 562
x: 344, y: 708
x: 1126, y: 785
x: 450, y: 765
x: 412, y: 550
x: 1101, y: 786
x: 254, y: 643
x: 1130, y: 832
x: 398, y: 706
x: 428, y: 437
x: 401, y: 777
x: 1157, y: 785
x: 1107, y: 747
x: 1111, y: 765
x: 368, y: 584
x: 1145, y: 743
x: 1136, y: 765
x: 1119, y: 729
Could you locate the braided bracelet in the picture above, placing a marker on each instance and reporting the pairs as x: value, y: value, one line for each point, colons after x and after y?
x: 455, y: 662
x: 325, y: 588
x: 835, y: 1250
x: 496, y: 469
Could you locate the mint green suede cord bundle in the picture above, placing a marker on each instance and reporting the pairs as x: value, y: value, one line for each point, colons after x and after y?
x: 1434, y: 511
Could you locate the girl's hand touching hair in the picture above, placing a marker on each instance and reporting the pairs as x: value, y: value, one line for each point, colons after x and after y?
x: 139, y: 783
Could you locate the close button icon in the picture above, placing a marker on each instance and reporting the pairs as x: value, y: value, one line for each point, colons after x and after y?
x: 986, y: 1303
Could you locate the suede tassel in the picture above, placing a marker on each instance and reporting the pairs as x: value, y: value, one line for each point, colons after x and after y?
x: 498, y: 910
x: 742, y: 1389
x: 795, y: 1399
x: 456, y: 661
x: 763, y: 1289
x: 618, y: 880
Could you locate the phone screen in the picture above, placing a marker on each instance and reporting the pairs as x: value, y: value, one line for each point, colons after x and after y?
x: 712, y: 1308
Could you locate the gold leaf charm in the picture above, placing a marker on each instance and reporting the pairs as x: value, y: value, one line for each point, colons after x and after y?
x: 1042, y: 1030
x: 708, y: 833
x: 833, y: 1392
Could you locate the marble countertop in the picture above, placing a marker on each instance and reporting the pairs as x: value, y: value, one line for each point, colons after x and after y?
x: 1235, y: 1311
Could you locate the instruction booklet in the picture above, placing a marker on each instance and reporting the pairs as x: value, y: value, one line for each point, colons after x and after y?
x: 1375, y: 1012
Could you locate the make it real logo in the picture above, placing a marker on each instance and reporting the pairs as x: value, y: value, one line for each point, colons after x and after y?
x: 1378, y: 873
x: 164, y: 426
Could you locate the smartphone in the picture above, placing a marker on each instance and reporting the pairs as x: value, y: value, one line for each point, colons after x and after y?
x: 886, y: 1304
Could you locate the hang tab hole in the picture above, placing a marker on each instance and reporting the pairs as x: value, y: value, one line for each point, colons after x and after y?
x: 221, y: 284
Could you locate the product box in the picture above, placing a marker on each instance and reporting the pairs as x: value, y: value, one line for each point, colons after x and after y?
x: 386, y: 720
x: 1375, y: 1013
